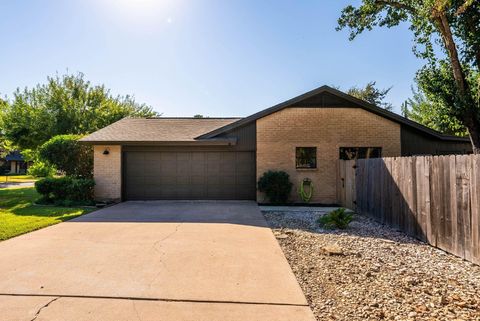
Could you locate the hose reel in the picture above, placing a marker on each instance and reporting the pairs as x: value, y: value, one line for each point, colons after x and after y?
x: 306, y: 190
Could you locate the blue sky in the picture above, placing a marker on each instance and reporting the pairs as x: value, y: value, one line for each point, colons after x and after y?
x: 211, y: 57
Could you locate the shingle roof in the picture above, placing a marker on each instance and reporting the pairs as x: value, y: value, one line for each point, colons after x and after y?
x: 357, y: 102
x: 157, y: 129
x: 14, y: 156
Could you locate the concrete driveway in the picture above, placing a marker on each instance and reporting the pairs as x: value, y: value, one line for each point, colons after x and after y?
x: 159, y: 260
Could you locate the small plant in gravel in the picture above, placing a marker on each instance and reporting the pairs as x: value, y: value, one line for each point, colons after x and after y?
x: 338, y: 218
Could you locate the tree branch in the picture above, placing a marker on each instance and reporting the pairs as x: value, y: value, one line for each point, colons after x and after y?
x: 395, y: 4
x: 464, y: 7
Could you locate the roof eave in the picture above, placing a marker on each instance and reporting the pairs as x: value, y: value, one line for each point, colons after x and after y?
x: 370, y: 107
x: 202, y: 142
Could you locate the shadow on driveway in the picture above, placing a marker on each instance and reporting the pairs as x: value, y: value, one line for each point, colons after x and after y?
x: 229, y: 212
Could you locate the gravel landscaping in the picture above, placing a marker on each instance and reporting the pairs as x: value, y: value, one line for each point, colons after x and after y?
x: 372, y: 272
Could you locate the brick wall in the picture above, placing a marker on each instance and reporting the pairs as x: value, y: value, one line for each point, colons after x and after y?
x: 328, y: 129
x: 108, y: 172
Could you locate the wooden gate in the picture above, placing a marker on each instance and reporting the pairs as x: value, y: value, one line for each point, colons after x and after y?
x: 346, y: 183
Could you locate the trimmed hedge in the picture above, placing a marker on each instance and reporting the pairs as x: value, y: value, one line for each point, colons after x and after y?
x: 276, y: 185
x: 66, y: 191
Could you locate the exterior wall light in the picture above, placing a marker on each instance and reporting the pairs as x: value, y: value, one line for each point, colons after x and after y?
x: 106, y: 152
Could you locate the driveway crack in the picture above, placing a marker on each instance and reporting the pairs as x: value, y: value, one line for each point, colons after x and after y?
x: 43, y: 307
x: 162, y: 254
x: 136, y: 311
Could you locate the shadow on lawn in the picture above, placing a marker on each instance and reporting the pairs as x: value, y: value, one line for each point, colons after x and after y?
x: 19, y: 201
x: 59, y: 213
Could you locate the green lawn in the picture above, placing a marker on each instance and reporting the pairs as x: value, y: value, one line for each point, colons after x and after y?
x: 18, y: 215
x: 17, y: 178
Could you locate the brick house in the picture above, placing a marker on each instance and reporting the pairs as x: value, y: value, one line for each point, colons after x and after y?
x: 222, y: 158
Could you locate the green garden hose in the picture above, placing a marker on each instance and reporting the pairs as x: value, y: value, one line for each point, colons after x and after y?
x: 306, y: 197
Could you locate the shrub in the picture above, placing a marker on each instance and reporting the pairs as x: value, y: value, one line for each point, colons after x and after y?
x: 338, y: 218
x: 276, y: 185
x: 41, y: 169
x: 65, y: 191
x: 67, y: 154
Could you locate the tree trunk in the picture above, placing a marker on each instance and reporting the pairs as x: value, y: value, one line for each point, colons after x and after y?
x: 475, y: 139
x: 470, y: 119
x: 473, y: 125
x: 446, y: 33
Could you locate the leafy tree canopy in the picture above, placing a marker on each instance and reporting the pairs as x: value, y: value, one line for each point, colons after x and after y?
x: 66, y: 104
x: 431, y: 114
x: 453, y: 26
x: 372, y: 95
x: 67, y: 154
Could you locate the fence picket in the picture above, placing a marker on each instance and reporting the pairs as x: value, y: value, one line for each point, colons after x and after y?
x: 433, y: 198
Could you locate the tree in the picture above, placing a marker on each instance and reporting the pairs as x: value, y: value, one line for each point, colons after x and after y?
x: 67, y: 154
x: 66, y: 104
x: 451, y: 25
x: 431, y: 114
x: 198, y: 116
x: 5, y: 144
x: 372, y: 95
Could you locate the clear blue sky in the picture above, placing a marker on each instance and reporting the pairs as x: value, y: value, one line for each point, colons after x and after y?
x: 211, y: 57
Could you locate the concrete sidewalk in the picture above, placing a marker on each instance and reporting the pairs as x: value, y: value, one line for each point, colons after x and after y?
x: 151, y: 261
x: 16, y: 184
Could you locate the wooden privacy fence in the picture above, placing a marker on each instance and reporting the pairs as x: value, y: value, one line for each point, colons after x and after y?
x: 433, y: 198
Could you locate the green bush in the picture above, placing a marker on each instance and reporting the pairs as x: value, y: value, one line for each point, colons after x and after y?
x: 68, y: 155
x: 338, y: 218
x: 41, y: 169
x: 276, y: 185
x: 65, y: 191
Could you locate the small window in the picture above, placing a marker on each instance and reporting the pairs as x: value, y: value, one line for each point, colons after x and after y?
x: 347, y: 153
x: 306, y: 157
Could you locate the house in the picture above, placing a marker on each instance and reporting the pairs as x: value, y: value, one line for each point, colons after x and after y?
x: 222, y: 158
x: 15, y: 163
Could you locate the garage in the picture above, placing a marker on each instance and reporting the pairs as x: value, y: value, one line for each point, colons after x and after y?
x: 188, y: 175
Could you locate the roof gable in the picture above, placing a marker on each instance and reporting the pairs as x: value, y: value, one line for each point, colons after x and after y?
x: 326, y: 96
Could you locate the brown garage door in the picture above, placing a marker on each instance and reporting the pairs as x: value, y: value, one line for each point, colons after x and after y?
x: 189, y: 175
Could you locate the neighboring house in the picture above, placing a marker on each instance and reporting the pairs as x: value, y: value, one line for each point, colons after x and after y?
x: 16, y: 164
x: 222, y: 158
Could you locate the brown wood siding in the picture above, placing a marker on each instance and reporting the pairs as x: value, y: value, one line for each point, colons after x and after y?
x: 246, y: 137
x: 417, y: 143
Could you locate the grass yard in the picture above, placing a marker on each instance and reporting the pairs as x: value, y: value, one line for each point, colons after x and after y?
x: 17, y: 178
x: 18, y: 215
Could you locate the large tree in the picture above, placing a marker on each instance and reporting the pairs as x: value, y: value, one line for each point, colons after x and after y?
x: 372, y: 94
x: 431, y: 113
x: 66, y: 104
x: 451, y: 25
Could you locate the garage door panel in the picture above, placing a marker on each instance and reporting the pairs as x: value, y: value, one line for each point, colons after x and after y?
x: 137, y: 181
x: 135, y: 168
x: 198, y: 179
x: 189, y: 175
x: 155, y: 157
x: 227, y: 180
x: 196, y: 168
x: 213, y: 180
x: 213, y: 168
x: 243, y: 180
x: 227, y: 167
x: 168, y: 180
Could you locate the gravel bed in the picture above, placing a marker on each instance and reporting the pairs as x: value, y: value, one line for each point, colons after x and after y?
x: 372, y: 272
